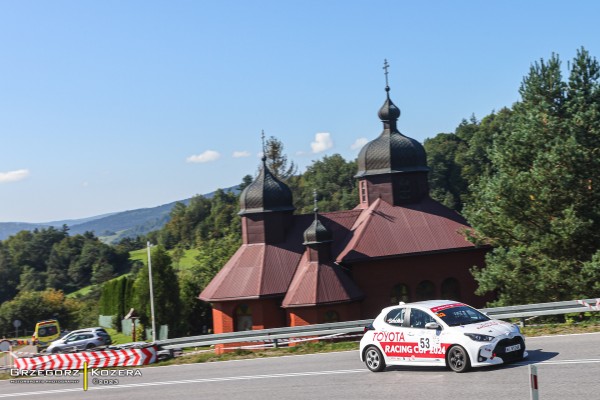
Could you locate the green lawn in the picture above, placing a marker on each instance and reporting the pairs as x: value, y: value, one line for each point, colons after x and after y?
x: 186, y: 262
x: 188, y: 259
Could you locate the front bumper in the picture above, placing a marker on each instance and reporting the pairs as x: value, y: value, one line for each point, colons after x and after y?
x: 500, y: 351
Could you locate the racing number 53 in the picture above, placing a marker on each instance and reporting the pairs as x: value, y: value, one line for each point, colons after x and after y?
x: 424, y: 343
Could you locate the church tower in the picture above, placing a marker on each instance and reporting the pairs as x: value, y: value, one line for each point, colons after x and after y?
x: 266, y: 208
x: 392, y: 167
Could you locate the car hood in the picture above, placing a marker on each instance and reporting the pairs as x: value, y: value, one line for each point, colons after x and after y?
x: 492, y: 327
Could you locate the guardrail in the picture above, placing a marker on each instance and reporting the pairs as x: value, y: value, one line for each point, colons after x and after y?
x: 273, y: 334
x: 537, y: 310
x: 337, y: 328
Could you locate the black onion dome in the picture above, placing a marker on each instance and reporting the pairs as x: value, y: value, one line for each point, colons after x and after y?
x: 317, y: 233
x: 266, y: 194
x: 388, y: 111
x: 391, y: 151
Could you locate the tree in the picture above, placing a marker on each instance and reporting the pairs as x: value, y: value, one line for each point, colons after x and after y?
x: 9, y: 275
x: 32, y: 306
x: 540, y: 208
x: 445, y: 179
x: 277, y: 160
x: 333, y: 179
x: 213, y: 255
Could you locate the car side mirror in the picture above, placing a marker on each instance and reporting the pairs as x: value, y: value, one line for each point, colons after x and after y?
x: 432, y: 325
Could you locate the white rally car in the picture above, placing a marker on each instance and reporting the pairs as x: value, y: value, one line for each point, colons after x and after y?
x: 439, y: 332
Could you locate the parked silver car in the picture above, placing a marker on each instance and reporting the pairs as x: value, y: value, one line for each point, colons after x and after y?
x: 81, y: 339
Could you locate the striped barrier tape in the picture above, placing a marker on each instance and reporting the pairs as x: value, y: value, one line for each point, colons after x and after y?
x: 94, y: 359
x: 591, y: 307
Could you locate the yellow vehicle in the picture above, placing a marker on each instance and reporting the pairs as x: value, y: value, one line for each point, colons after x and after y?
x: 45, y: 332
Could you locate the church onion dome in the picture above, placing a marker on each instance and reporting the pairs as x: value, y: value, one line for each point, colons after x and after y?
x: 317, y: 233
x: 388, y: 111
x: 266, y: 194
x: 392, y: 151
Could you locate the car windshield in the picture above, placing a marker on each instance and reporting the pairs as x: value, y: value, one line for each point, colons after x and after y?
x: 461, y: 315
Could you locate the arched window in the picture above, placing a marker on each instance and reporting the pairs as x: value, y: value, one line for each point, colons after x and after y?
x: 332, y: 316
x: 399, y: 293
x: 451, y: 289
x: 362, y: 185
x: 425, y: 291
x: 243, y: 318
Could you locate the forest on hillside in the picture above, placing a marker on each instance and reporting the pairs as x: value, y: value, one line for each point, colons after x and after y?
x: 526, y: 177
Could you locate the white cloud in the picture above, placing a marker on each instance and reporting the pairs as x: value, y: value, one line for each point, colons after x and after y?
x: 14, y: 176
x: 240, y: 154
x: 322, y: 142
x: 207, y: 156
x: 359, y: 143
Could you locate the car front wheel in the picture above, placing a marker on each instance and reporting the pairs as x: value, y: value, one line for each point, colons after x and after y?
x: 374, y: 359
x: 458, y: 359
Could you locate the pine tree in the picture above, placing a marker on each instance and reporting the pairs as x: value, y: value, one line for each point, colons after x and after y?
x: 537, y: 208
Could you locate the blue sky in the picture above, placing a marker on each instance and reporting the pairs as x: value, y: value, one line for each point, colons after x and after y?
x: 109, y: 106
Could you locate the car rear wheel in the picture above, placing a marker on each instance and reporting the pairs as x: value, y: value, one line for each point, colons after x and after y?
x: 374, y: 359
x: 458, y: 359
x: 89, y: 346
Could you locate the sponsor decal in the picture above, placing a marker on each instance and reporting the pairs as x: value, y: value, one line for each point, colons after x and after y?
x: 446, y: 306
x: 488, y: 324
x: 388, y: 336
x: 414, y: 350
x: 394, y: 345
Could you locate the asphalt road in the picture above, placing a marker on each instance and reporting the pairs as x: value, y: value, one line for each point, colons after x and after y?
x: 568, y: 367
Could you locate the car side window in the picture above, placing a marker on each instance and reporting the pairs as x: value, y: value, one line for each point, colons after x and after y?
x: 419, y: 318
x: 396, y: 316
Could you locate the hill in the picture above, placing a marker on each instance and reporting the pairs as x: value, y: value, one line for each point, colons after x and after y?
x: 109, y: 227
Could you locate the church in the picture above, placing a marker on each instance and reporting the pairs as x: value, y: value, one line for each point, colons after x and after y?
x: 396, y: 245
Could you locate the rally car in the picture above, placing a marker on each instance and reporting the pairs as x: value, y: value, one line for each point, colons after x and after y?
x: 439, y: 332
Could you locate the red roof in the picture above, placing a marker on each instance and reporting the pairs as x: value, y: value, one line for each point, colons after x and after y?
x: 384, y: 230
x: 261, y: 269
x: 316, y: 283
x: 381, y: 230
x: 254, y: 270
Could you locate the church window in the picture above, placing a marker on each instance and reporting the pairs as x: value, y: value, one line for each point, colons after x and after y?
x: 332, y: 316
x: 243, y: 318
x: 363, y: 191
x: 425, y: 291
x: 404, y: 188
x: 399, y: 293
x: 451, y: 289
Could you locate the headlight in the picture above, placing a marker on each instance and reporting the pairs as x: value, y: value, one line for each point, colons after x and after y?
x: 479, y: 338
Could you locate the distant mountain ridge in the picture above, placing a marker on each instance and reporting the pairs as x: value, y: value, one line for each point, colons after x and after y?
x: 109, y: 227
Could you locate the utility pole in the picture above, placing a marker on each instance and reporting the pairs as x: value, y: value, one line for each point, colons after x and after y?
x: 151, y: 294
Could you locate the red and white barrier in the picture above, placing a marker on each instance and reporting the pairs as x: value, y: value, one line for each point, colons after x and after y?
x: 591, y: 307
x: 94, y: 359
x: 533, y: 379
